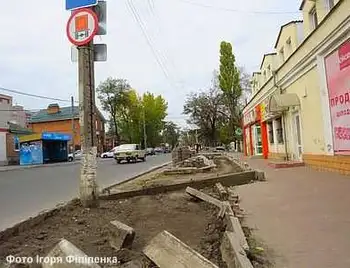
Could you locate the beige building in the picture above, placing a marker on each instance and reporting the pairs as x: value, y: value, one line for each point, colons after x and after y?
x: 300, y: 108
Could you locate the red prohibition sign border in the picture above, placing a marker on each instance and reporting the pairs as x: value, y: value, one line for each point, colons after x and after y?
x: 81, y: 43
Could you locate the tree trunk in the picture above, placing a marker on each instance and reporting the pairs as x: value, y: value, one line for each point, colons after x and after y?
x: 116, y: 129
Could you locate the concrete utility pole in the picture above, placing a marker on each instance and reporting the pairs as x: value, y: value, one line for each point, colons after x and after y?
x: 73, y: 128
x: 88, y: 186
x: 144, y: 128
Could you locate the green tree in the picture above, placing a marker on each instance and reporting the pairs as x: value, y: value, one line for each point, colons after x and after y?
x: 171, y: 133
x: 207, y: 111
x: 129, y: 118
x: 113, y: 94
x: 154, y: 110
x: 229, y: 82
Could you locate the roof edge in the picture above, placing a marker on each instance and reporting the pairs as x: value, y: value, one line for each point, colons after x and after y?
x: 284, y: 25
x: 265, y: 55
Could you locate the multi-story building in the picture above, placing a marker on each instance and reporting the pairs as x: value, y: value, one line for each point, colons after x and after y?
x: 59, y: 119
x: 300, y: 108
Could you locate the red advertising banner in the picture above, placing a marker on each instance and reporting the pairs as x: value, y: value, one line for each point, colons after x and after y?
x: 338, y: 83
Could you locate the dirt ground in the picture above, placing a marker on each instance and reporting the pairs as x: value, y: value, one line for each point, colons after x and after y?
x: 192, y: 222
x: 224, y: 166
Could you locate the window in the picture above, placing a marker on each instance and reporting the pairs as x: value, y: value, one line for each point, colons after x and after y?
x: 313, y: 18
x: 265, y: 75
x: 270, y: 130
x: 279, y: 130
x: 282, y: 55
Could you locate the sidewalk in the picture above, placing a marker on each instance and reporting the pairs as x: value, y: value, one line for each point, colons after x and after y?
x: 11, y: 168
x: 303, y: 215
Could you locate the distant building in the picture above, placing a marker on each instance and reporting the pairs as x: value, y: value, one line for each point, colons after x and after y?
x: 13, y: 122
x: 59, y: 119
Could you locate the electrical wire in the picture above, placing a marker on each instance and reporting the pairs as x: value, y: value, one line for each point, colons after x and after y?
x: 33, y: 95
x: 148, y: 39
x: 256, y: 12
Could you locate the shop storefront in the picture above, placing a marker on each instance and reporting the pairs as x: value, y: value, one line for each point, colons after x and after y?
x: 255, y: 133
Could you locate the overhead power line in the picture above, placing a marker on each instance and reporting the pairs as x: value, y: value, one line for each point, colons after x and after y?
x: 262, y: 12
x: 148, y: 39
x: 32, y: 95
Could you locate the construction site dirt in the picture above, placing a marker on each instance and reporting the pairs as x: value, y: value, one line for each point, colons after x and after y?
x: 194, y: 223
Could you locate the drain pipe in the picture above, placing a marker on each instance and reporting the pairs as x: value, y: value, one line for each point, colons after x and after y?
x: 285, y: 135
x: 283, y: 118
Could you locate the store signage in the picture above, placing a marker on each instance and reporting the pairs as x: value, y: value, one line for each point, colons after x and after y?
x: 338, y: 83
x: 264, y: 109
x: 55, y: 136
x: 249, y: 117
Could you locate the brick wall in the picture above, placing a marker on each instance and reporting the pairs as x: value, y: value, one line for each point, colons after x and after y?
x: 12, y: 154
x: 339, y: 164
x: 65, y: 126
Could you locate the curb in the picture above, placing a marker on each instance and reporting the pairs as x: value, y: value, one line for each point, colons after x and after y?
x: 106, y: 189
x: 40, y: 166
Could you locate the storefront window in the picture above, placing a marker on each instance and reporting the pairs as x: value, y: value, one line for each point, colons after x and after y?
x: 270, y: 130
x: 279, y: 130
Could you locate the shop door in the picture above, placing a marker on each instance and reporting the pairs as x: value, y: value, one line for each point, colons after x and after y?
x: 258, y: 140
x: 298, y: 150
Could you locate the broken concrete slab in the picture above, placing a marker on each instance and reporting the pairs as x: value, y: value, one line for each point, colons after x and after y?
x: 226, y: 180
x: 232, y: 253
x: 121, y: 235
x: 221, y: 191
x: 65, y: 255
x: 204, y: 197
x: 233, y: 225
x: 228, y: 207
x: 167, y: 251
x: 260, y: 175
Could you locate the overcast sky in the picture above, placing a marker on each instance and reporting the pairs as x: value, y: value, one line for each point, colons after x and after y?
x: 35, y: 53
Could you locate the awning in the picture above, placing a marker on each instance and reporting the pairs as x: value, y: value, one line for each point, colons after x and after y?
x: 281, y: 102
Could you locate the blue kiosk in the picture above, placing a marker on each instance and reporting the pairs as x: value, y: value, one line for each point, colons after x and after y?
x: 43, y: 148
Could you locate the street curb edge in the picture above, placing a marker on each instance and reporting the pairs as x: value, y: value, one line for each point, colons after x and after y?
x: 106, y: 189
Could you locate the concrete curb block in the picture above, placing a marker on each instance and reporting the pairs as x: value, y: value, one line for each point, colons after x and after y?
x: 39, y: 166
x: 234, y: 243
x: 121, y: 235
x: 70, y: 255
x: 166, y: 251
x: 227, y: 180
x: 136, y: 176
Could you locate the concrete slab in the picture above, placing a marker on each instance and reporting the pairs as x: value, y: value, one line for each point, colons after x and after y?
x: 233, y: 225
x: 232, y: 253
x: 121, y: 235
x: 226, y: 180
x: 204, y: 197
x: 67, y: 255
x: 260, y: 175
x: 221, y: 191
x: 167, y: 251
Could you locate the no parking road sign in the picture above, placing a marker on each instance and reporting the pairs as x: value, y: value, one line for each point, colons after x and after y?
x: 82, y: 26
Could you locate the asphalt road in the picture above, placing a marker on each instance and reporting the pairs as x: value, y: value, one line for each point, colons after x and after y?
x: 24, y: 193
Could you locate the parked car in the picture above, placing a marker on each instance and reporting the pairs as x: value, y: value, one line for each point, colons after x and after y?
x: 150, y: 151
x: 167, y: 150
x: 77, y: 156
x: 159, y: 150
x: 109, y: 154
x: 129, y: 152
x: 220, y: 149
